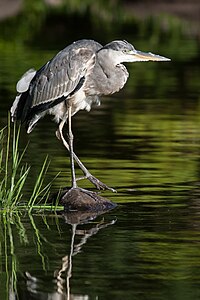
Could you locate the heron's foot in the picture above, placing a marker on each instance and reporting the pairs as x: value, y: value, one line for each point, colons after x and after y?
x: 97, y: 183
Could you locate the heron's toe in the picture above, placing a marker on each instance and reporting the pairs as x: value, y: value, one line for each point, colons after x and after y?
x: 100, y: 185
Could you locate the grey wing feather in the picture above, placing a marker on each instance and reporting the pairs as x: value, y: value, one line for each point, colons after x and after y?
x: 23, y: 84
x: 60, y: 76
x: 21, y: 87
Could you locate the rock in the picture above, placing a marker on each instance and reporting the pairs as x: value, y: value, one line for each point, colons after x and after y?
x: 77, y: 199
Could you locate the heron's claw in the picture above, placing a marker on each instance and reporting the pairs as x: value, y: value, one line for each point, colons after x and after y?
x: 99, y: 185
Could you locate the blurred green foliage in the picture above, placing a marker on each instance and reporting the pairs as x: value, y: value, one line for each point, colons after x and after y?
x: 39, y: 31
x: 39, y: 26
x: 144, y: 141
x: 73, y: 19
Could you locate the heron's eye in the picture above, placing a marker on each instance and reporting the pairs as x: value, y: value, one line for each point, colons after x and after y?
x: 126, y: 51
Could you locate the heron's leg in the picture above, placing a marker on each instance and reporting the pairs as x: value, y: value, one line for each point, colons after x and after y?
x: 99, y: 185
x: 71, y: 151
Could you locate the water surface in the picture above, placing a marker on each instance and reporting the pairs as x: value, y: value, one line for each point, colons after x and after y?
x: 144, y: 142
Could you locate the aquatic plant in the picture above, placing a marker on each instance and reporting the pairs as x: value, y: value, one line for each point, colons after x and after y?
x: 14, y: 173
x: 13, y: 232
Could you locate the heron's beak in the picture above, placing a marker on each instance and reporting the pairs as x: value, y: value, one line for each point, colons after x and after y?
x: 147, y: 56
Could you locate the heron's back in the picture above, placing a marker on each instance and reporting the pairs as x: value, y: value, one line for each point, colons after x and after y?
x: 58, y: 80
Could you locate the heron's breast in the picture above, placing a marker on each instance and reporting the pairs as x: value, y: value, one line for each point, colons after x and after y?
x: 80, y: 102
x: 59, y: 111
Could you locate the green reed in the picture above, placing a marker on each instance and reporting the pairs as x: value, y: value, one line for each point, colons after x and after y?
x: 13, y: 235
x: 14, y: 174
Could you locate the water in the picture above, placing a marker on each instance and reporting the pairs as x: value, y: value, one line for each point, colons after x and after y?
x: 136, y: 250
x: 144, y: 142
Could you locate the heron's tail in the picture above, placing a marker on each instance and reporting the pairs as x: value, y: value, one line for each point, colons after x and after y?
x: 20, y: 105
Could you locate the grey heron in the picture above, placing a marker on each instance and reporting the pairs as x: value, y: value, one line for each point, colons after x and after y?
x: 71, y: 81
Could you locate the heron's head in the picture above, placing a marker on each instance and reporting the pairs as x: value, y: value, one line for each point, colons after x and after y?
x: 122, y: 51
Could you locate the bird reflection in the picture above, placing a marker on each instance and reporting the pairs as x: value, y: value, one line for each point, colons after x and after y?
x: 79, y: 237
x: 65, y: 273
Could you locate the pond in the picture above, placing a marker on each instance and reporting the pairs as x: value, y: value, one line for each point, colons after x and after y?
x: 145, y: 143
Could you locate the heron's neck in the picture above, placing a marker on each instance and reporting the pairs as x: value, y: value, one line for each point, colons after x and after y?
x: 115, y: 73
x: 107, y: 62
x: 107, y: 76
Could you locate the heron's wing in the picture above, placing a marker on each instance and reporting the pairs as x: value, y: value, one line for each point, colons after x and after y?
x: 61, y: 76
x: 21, y: 87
